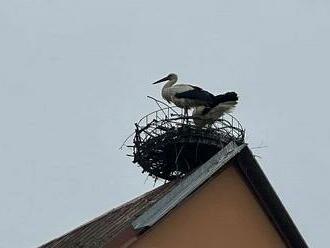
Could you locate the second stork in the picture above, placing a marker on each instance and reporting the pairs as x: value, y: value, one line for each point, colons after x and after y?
x: 224, y: 103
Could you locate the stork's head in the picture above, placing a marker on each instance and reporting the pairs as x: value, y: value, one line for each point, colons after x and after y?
x: 170, y: 77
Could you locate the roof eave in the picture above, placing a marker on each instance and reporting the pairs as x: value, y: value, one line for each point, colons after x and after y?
x: 268, y: 199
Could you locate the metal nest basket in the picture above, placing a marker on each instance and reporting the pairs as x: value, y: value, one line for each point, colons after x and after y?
x: 168, y: 145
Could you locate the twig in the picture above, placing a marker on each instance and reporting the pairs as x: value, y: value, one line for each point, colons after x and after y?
x: 121, y: 147
x: 258, y: 147
x: 158, y: 101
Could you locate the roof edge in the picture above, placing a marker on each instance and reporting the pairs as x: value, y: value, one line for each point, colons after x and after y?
x: 268, y: 199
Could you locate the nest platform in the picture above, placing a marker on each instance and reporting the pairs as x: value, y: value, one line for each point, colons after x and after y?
x: 168, y: 145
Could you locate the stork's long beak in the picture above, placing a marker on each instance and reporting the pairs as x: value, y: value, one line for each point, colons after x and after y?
x: 161, y: 80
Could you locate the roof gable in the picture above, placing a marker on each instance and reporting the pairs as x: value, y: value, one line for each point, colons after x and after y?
x: 223, y: 212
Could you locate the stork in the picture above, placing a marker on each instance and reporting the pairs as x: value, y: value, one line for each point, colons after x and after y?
x: 208, y: 115
x: 184, y: 96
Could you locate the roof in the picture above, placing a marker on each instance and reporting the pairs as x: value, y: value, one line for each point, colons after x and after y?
x: 108, y: 226
x: 134, y: 217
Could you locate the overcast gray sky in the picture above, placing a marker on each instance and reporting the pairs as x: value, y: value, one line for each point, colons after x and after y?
x: 74, y: 75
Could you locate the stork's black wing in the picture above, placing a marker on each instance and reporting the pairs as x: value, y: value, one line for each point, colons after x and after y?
x: 197, y: 94
x: 223, y: 98
x: 227, y: 97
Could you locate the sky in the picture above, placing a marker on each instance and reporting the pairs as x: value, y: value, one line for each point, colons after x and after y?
x: 74, y: 76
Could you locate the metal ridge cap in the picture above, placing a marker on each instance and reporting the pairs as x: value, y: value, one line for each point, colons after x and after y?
x: 187, y: 185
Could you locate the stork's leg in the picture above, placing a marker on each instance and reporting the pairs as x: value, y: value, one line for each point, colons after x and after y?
x: 186, y: 115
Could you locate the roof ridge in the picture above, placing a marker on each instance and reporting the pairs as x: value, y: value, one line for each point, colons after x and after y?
x: 140, y: 197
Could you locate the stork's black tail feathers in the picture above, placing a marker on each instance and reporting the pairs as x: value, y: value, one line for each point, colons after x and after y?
x: 227, y: 97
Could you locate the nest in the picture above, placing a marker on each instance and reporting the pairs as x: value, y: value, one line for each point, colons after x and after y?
x: 168, y: 145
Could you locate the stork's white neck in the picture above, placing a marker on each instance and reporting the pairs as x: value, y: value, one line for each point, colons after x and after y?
x: 166, y: 89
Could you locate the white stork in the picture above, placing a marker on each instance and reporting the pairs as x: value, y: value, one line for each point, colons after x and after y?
x: 208, y: 115
x: 185, y: 96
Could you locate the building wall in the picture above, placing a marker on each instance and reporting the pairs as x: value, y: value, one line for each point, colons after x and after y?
x: 222, y: 213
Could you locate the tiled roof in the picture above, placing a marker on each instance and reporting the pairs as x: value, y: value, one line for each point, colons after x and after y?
x: 103, y: 229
